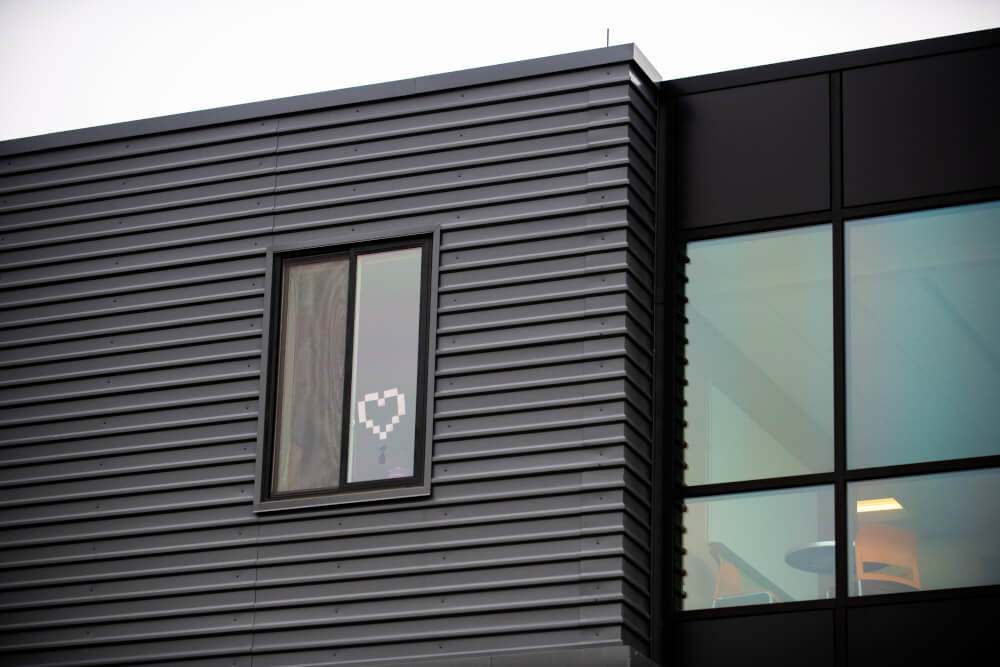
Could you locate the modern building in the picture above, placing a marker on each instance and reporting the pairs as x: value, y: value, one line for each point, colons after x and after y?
x: 546, y: 363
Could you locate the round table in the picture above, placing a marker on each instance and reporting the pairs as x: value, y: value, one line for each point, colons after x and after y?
x: 815, y: 557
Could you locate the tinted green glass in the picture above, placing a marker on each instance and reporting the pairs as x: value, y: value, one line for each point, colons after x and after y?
x: 924, y: 532
x: 759, y: 548
x: 384, y: 376
x: 760, y: 356
x: 309, y: 404
x: 923, y: 336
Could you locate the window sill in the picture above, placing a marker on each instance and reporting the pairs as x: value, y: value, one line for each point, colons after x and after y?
x: 352, y: 498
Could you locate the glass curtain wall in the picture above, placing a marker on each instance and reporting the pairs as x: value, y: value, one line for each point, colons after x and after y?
x: 922, y: 370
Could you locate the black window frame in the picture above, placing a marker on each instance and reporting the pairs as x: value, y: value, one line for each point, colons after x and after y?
x: 418, y: 484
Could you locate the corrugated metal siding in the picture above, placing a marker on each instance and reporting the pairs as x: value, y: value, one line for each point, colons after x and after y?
x: 130, y: 346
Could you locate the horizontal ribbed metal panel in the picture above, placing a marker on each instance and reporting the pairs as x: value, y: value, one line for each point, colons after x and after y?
x: 132, y: 300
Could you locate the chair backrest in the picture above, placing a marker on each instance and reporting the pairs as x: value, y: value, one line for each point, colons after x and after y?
x: 883, y: 546
x: 727, y: 580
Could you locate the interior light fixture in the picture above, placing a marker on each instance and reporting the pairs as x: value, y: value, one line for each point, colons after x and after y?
x: 878, y: 505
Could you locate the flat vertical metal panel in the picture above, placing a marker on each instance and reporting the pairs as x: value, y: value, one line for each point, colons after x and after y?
x: 927, y: 632
x: 767, y: 146
x: 921, y: 127
x: 132, y: 301
x: 794, y: 638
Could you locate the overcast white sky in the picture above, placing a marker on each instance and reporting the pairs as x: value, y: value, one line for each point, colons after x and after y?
x: 66, y: 64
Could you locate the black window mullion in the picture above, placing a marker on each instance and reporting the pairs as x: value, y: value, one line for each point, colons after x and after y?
x: 760, y: 484
x: 839, y: 372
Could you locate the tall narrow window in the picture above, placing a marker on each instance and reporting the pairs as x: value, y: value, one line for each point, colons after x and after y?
x: 760, y: 353
x: 758, y: 405
x: 347, y: 401
x: 922, y: 323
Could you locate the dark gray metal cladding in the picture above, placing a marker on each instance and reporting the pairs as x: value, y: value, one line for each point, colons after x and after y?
x: 132, y: 299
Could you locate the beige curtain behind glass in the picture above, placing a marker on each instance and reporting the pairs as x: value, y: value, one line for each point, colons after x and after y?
x: 311, y: 376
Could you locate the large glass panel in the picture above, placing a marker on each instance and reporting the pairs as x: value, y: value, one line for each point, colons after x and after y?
x: 760, y: 356
x: 384, y: 376
x: 924, y: 532
x: 309, y: 405
x: 759, y: 548
x: 923, y: 336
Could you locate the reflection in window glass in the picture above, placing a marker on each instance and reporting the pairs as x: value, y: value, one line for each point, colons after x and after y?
x: 311, y: 372
x: 924, y: 532
x: 923, y: 336
x: 760, y: 356
x: 384, y: 368
x: 759, y: 548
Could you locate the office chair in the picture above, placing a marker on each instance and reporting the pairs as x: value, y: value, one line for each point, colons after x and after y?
x: 885, y: 559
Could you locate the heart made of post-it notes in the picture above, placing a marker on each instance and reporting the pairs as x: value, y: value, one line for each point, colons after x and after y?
x: 382, y: 430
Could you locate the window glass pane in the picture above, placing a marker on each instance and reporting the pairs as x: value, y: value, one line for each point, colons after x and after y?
x: 923, y: 336
x: 760, y: 356
x: 311, y: 375
x: 924, y: 532
x: 759, y: 548
x: 384, y: 375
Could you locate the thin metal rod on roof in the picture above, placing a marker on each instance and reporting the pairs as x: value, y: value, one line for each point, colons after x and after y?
x: 607, y: 37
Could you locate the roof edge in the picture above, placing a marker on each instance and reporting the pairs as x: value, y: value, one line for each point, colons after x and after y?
x: 354, y: 95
